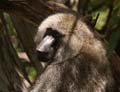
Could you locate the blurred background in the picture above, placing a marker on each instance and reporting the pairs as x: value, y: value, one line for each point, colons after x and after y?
x: 19, y: 20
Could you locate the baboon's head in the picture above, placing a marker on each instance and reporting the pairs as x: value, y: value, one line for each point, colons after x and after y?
x: 62, y: 36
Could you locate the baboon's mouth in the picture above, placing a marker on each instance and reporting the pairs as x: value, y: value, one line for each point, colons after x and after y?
x: 43, y: 56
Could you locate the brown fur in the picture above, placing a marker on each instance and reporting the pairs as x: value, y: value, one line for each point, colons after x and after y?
x: 80, y: 64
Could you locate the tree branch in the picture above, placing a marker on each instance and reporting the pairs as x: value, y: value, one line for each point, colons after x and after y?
x: 34, y: 11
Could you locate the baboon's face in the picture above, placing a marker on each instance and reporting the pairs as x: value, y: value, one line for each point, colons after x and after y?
x: 49, y: 44
x: 56, y: 35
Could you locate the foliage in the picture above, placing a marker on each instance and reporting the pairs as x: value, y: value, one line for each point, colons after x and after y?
x: 93, y: 8
x: 103, y: 7
x: 31, y: 73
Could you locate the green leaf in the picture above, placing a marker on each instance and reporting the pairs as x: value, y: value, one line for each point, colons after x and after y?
x: 113, y: 41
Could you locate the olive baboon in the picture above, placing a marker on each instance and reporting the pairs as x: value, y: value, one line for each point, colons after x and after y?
x: 77, y: 59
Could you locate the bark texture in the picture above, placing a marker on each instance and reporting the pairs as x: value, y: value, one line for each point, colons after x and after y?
x: 12, y: 79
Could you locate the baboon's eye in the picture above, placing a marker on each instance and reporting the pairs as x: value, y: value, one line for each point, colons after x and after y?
x: 53, y: 33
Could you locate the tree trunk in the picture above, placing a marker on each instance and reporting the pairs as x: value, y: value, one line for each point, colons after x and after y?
x: 11, y: 77
x: 25, y: 33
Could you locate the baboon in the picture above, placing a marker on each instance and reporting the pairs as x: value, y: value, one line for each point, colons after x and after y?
x: 76, y: 57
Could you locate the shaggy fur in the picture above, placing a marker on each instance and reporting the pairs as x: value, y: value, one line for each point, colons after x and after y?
x: 80, y: 63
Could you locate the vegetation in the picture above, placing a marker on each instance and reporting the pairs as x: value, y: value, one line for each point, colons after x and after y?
x: 18, y: 24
